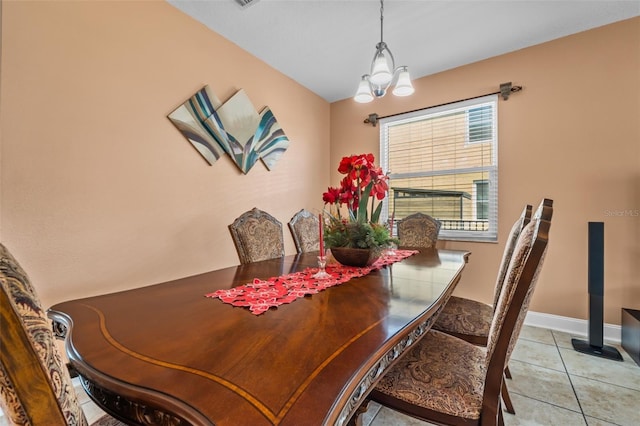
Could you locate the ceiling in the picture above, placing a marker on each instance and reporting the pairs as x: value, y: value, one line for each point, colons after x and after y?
x: 328, y: 45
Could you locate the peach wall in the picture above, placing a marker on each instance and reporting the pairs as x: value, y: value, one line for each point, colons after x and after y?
x: 572, y: 134
x: 100, y: 192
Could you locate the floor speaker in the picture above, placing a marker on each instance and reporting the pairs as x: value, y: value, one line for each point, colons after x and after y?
x: 595, y: 345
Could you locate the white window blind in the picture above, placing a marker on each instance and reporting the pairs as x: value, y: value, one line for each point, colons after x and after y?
x: 443, y: 161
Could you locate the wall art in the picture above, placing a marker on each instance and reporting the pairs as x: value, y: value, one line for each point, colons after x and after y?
x: 233, y: 127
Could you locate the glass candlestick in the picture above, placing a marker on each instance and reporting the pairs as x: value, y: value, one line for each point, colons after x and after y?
x: 391, y: 250
x: 321, y: 274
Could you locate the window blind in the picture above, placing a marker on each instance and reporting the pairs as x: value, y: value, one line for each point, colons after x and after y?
x: 443, y: 161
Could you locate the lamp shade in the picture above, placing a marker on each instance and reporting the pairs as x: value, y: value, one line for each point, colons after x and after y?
x: 382, y: 70
x: 403, y: 86
x: 363, y: 95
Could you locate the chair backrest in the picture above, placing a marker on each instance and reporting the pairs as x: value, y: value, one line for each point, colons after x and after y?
x: 513, y: 303
x: 418, y: 230
x: 257, y: 236
x: 305, y: 231
x: 517, y: 228
x: 35, y: 386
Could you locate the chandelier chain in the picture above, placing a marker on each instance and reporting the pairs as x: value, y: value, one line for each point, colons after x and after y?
x: 381, y: 19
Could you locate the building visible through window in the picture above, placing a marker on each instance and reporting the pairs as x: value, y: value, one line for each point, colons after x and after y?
x: 482, y: 199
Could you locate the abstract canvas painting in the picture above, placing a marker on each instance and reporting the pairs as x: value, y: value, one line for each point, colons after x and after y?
x: 233, y: 127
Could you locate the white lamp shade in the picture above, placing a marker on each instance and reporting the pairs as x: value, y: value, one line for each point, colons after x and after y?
x: 404, y: 86
x: 363, y: 95
x: 381, y: 73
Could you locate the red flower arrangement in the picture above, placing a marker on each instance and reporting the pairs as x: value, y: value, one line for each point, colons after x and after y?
x: 363, y: 181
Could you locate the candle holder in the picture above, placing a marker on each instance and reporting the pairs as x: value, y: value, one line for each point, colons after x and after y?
x: 321, y: 274
x: 391, y: 250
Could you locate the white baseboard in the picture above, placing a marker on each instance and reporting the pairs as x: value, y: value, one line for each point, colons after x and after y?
x: 612, y: 333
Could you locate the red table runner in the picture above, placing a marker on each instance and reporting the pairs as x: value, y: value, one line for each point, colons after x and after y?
x: 260, y: 295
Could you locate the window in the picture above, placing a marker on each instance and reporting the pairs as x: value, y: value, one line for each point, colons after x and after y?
x: 480, y: 124
x: 443, y: 161
x: 482, y: 199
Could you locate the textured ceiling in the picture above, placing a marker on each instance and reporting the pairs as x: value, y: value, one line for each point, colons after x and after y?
x: 327, y: 45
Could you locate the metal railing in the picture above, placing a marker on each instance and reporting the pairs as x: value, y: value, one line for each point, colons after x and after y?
x: 464, y: 225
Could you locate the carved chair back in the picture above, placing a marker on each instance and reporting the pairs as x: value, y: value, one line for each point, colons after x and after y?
x: 257, y: 236
x: 35, y: 385
x: 304, y: 229
x: 418, y: 230
x: 513, y: 301
x: 509, y: 247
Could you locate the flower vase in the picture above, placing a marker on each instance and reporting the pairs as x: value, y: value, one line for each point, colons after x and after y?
x: 349, y: 256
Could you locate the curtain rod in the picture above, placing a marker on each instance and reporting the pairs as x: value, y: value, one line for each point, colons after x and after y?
x: 506, y: 89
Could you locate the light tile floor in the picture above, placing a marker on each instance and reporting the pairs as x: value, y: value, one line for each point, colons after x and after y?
x: 555, y: 385
x: 552, y: 385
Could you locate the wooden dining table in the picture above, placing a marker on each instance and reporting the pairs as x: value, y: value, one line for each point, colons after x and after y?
x: 165, y: 354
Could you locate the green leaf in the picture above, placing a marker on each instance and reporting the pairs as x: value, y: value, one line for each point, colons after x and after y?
x: 376, y: 214
x: 352, y: 217
x: 362, y: 204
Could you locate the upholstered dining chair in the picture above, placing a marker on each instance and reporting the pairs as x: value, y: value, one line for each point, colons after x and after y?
x: 35, y: 385
x: 257, y: 236
x: 418, y: 230
x: 446, y: 380
x: 470, y: 319
x: 305, y: 231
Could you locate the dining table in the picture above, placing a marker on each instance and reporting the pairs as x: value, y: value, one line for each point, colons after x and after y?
x: 183, y: 353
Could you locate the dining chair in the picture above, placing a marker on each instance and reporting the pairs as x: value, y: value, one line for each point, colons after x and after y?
x: 35, y: 385
x: 469, y: 319
x: 257, y: 236
x: 418, y: 230
x: 446, y: 380
x: 305, y: 231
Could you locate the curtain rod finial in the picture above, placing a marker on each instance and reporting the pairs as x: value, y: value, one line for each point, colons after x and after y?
x: 372, y: 119
x: 507, y: 89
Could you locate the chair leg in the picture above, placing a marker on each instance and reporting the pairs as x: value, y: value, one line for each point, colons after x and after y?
x: 500, y: 418
x: 508, y: 405
x: 356, y: 420
x: 72, y: 371
x: 507, y: 373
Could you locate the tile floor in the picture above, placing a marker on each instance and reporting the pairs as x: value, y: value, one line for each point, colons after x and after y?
x: 552, y: 385
x: 555, y: 385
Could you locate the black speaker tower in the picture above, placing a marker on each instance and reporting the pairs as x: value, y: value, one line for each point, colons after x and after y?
x: 595, y: 344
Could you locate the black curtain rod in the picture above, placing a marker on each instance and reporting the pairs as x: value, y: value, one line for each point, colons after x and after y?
x: 505, y: 90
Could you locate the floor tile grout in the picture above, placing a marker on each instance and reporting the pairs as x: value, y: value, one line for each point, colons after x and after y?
x: 534, y: 364
x: 605, y: 383
x: 566, y: 371
x: 548, y: 403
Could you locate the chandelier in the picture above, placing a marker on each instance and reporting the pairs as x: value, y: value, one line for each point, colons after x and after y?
x: 383, y: 73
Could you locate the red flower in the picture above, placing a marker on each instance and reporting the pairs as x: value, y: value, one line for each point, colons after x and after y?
x: 379, y: 189
x: 363, y: 179
x: 346, y: 164
x: 331, y: 196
